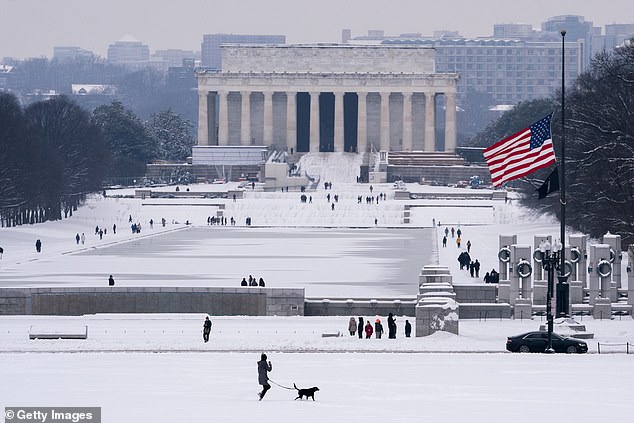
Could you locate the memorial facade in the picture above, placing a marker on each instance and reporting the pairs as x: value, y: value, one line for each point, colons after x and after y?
x: 327, y: 98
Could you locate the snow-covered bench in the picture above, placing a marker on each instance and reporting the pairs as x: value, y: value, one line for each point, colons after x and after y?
x: 62, y: 332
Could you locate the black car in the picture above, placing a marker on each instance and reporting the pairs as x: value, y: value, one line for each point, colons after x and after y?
x: 538, y: 341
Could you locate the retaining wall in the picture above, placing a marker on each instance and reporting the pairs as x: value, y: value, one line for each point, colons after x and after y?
x: 212, y: 300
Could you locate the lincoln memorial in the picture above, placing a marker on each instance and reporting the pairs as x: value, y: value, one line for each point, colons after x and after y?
x: 327, y: 98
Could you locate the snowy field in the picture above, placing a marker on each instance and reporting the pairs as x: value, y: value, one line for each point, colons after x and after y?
x: 155, y: 368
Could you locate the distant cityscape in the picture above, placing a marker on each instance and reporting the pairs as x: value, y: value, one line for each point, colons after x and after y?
x: 516, y: 63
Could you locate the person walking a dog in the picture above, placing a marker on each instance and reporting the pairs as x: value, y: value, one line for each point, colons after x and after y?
x: 264, y: 367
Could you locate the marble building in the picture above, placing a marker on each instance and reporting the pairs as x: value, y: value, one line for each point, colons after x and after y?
x: 327, y: 98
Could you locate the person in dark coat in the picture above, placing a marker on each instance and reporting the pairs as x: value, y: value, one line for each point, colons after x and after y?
x: 378, y: 328
x: 360, y: 328
x: 471, y: 268
x: 38, y: 246
x: 206, y: 329
x: 110, y: 281
x: 476, y: 267
x: 391, y: 326
x: 459, y: 233
x: 77, y: 238
x: 263, y: 378
x: 495, y: 276
x: 487, y: 278
x: 444, y: 241
x: 408, y: 328
x: 244, y: 282
x: 261, y: 282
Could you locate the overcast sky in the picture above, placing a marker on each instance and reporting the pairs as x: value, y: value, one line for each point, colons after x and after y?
x: 33, y: 27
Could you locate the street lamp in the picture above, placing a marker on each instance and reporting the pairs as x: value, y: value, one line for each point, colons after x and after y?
x: 550, y: 261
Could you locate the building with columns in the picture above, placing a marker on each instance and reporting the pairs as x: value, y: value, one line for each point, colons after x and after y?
x: 327, y: 98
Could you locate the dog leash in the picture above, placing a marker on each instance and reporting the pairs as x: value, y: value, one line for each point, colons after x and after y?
x: 285, y: 387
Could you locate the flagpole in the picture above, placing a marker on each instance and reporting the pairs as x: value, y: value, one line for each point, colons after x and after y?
x: 562, y: 285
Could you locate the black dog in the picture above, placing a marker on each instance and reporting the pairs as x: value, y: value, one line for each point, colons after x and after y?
x: 309, y: 392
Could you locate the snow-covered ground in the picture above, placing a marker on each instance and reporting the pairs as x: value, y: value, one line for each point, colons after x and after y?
x: 468, y: 377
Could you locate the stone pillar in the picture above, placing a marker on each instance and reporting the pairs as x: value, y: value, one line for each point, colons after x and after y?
x: 450, y: 122
x: 245, y: 118
x: 362, y: 123
x: 223, y: 127
x: 430, y: 125
x: 385, y: 121
x: 291, y: 121
x: 339, y: 141
x: 203, y: 118
x: 407, y: 122
x: 268, y: 117
x: 314, y: 122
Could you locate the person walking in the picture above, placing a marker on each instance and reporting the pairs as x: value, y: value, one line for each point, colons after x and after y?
x: 360, y: 328
x: 368, y: 330
x: 468, y: 246
x: 352, y: 326
x: 459, y: 232
x: 206, y: 329
x: 110, y: 281
x: 446, y: 231
x: 471, y: 268
x: 476, y: 268
x: 114, y: 229
x: 77, y: 238
x: 391, y: 326
x: 264, y: 367
x: 38, y: 246
x: 444, y: 241
x: 83, y: 238
x: 408, y: 328
x: 453, y: 231
x: 458, y: 241
x: 378, y: 328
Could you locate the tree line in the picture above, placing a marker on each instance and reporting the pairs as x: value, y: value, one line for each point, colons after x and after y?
x: 599, y: 136
x: 53, y: 153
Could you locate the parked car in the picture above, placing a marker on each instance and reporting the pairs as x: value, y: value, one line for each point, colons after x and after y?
x: 538, y: 341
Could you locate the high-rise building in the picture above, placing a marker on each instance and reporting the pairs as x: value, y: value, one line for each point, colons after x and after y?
x: 210, y: 48
x: 174, y: 57
x: 577, y: 29
x: 128, y: 50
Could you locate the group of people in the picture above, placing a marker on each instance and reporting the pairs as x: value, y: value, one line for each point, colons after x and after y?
x: 473, y: 266
x: 252, y: 282
x: 365, y: 327
x: 492, y: 277
x: 220, y: 220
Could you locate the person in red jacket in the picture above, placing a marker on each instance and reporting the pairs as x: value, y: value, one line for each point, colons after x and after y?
x: 368, y: 330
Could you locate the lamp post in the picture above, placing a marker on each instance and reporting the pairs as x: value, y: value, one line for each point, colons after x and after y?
x: 550, y: 260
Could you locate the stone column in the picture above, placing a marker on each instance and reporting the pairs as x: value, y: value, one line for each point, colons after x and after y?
x: 385, y: 121
x: 203, y: 119
x: 268, y: 117
x: 223, y: 126
x: 339, y: 140
x: 362, y: 123
x: 291, y: 121
x: 314, y: 122
x: 407, y: 122
x: 450, y: 122
x: 245, y: 119
x: 430, y: 126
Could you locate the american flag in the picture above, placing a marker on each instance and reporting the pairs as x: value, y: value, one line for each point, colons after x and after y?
x: 522, y: 153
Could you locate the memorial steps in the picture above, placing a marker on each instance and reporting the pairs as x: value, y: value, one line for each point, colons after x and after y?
x: 286, y: 209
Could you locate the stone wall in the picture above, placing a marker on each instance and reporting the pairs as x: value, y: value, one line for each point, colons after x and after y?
x: 471, y: 293
x: 358, y: 307
x: 216, y: 301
